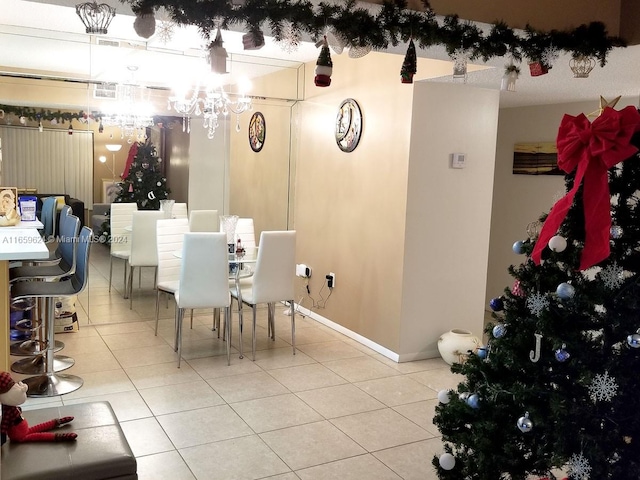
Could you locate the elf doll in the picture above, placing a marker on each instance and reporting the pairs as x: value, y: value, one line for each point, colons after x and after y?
x: 15, y: 426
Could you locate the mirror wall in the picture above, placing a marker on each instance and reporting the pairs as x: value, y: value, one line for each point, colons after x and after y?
x: 51, y: 68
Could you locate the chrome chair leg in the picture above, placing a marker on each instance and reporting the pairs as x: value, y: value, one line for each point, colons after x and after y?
x: 253, y: 336
x: 179, y: 334
x: 227, y: 323
x: 293, y: 326
x: 157, y: 310
x: 110, y: 271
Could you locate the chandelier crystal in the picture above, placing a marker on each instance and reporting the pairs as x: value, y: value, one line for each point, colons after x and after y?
x: 96, y: 18
x: 132, y: 113
x: 210, y: 103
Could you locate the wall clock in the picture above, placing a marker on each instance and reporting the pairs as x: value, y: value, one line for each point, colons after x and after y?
x: 348, y: 125
x: 257, y: 131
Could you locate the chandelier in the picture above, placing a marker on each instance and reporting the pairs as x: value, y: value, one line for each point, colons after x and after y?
x: 210, y: 102
x: 132, y: 114
x: 96, y: 18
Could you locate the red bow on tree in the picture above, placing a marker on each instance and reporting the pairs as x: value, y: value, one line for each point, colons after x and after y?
x: 591, y: 149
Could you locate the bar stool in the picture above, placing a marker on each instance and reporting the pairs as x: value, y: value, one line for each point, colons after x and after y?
x: 46, y: 273
x: 52, y: 383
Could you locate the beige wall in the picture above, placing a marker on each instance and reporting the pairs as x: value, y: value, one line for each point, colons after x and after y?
x: 448, y: 214
x: 521, y: 199
x: 350, y: 207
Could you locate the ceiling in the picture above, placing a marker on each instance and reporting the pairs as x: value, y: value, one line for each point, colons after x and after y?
x: 46, y: 39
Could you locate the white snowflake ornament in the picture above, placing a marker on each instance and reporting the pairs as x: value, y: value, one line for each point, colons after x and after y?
x: 603, y: 388
x: 165, y: 27
x: 612, y: 276
x: 537, y: 303
x: 579, y: 467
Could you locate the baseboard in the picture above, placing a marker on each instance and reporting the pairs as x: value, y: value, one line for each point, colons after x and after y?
x: 345, y: 331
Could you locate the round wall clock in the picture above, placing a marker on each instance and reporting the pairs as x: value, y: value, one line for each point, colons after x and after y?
x: 257, y: 131
x: 348, y: 125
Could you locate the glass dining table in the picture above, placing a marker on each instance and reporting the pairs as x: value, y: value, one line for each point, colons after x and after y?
x: 240, y: 267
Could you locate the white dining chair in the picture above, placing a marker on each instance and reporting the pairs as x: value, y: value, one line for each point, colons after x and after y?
x: 119, y: 221
x: 143, y: 245
x: 204, y: 221
x: 169, y: 239
x: 204, y: 283
x: 179, y: 210
x: 273, y: 281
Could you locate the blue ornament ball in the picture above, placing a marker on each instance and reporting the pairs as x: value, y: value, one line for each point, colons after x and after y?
x: 562, y: 355
x: 473, y: 401
x: 518, y: 247
x: 496, y: 304
x: 499, y: 330
x: 482, y: 352
x: 634, y: 340
x: 565, y: 291
x: 616, y: 231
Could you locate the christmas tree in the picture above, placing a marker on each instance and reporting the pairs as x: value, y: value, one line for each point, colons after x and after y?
x: 143, y: 181
x: 410, y: 64
x: 556, y: 389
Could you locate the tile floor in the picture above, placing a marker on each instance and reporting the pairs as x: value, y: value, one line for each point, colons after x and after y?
x: 334, y: 410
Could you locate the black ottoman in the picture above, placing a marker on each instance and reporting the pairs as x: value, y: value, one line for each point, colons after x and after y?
x: 100, y: 452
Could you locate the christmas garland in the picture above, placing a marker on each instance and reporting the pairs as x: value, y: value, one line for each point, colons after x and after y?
x: 392, y: 24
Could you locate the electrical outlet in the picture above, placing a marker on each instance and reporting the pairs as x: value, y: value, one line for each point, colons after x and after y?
x: 303, y: 271
x: 331, y: 280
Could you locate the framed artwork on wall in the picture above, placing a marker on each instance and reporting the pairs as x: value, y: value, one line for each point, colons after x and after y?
x: 110, y: 190
x: 348, y: 125
x: 536, y: 158
x: 257, y: 131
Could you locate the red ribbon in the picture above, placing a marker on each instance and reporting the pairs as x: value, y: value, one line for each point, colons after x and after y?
x: 591, y: 149
x: 133, y: 151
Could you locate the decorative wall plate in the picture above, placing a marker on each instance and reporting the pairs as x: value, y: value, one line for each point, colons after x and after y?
x: 348, y: 125
x: 257, y: 131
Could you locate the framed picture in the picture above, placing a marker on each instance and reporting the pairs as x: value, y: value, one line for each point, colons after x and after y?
x: 536, y: 158
x: 8, y: 200
x: 348, y: 125
x: 257, y: 131
x: 110, y: 190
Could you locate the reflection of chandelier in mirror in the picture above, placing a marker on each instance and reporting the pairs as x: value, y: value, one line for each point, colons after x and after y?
x: 212, y: 102
x: 132, y: 113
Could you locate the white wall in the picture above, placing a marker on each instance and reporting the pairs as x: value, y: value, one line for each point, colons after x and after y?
x: 521, y: 199
x: 448, y: 214
x: 209, y: 167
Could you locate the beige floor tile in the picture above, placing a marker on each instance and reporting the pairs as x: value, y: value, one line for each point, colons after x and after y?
x: 326, y: 351
x: 120, y: 328
x: 102, y: 383
x: 380, y: 429
x: 132, y: 340
x: 341, y: 400
x: 161, y: 374
x: 437, y: 379
x: 397, y: 390
x: 271, y: 413
x: 421, y: 413
x: 126, y: 405
x: 306, y: 335
x: 246, y: 387
x: 412, y: 461
x: 222, y: 461
x: 146, y: 437
x: 354, y: 468
x: 92, y: 362
x: 202, y: 426
x: 137, y: 357
x: 359, y: 369
x: 281, y: 357
x: 74, y: 345
x: 163, y: 466
x: 214, y: 367
x: 306, y: 377
x: 189, y: 396
x: 311, y: 444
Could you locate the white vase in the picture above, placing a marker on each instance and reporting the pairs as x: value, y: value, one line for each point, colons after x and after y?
x: 455, y: 344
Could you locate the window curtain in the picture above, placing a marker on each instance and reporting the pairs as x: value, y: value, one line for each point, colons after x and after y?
x: 51, y: 161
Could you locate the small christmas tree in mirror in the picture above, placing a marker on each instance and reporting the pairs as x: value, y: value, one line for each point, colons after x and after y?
x: 143, y: 180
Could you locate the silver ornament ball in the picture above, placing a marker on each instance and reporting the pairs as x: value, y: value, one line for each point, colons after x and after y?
x: 558, y: 243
